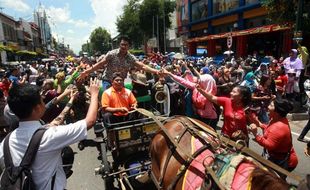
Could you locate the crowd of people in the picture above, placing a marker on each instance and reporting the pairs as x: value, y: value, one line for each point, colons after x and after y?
x: 250, y: 93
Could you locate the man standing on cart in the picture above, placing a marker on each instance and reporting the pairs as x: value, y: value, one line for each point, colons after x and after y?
x: 117, y: 60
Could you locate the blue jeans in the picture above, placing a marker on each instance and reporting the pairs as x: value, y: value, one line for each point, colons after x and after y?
x: 105, y: 85
x: 263, y: 116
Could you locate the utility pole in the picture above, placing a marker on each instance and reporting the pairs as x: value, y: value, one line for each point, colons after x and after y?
x: 298, y: 32
x: 153, y: 26
x: 164, y: 30
x: 157, y: 34
x: 299, y: 14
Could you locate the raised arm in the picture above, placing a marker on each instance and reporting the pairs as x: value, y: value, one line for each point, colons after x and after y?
x: 146, y: 68
x: 180, y: 80
x: 100, y: 64
x: 61, y: 117
x: 208, y: 95
x: 93, y: 106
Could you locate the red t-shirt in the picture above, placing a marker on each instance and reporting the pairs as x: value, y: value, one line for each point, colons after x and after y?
x: 234, y: 117
x: 277, y: 141
x: 281, y: 80
x: 5, y: 86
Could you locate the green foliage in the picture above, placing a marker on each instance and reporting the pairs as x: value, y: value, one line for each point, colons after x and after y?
x: 136, y: 52
x: 128, y: 23
x: 151, y: 9
x: 100, y: 41
x: 137, y: 19
x: 284, y: 11
x: 280, y: 11
x: 87, y: 47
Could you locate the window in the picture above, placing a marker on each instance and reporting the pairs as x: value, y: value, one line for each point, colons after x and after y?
x: 256, y: 22
x: 223, y: 28
x: 9, y: 32
x: 184, y: 11
x: 199, y: 10
x: 221, y: 6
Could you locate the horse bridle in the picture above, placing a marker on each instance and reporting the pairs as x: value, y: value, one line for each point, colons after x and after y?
x: 237, y: 145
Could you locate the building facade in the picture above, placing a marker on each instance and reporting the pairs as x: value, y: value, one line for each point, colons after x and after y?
x: 8, y: 36
x: 40, y: 19
x: 205, y: 26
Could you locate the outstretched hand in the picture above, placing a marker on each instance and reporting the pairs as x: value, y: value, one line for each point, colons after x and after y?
x: 94, y: 86
x: 82, y: 76
x: 164, y: 72
x: 73, y: 94
x: 198, y: 87
x: 253, y: 129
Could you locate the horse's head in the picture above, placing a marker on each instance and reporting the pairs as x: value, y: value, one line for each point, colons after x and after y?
x: 262, y: 179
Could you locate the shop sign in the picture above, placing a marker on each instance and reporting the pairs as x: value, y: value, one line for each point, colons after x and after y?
x: 229, y: 41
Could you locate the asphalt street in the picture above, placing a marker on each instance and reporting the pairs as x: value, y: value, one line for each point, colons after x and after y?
x: 84, y: 177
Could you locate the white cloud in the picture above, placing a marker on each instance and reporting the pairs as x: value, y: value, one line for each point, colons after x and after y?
x: 79, y: 23
x: 106, y: 12
x: 17, y: 5
x: 70, y: 31
x: 59, y: 15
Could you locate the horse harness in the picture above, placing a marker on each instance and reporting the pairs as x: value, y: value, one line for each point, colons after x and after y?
x: 175, y: 148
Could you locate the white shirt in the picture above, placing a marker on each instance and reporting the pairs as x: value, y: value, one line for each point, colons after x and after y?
x: 48, y: 159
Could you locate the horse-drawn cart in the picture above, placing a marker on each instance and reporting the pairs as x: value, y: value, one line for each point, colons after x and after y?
x: 124, y: 151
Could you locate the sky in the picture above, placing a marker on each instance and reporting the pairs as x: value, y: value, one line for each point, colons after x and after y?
x: 70, y: 20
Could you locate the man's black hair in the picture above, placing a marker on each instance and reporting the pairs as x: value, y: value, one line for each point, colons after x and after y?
x: 283, y: 106
x: 40, y: 81
x: 23, y: 98
x: 246, y: 95
x: 117, y: 74
x: 125, y: 38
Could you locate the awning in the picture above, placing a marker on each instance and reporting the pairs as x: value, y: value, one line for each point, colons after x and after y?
x: 5, y: 48
x: 257, y: 30
x: 25, y: 52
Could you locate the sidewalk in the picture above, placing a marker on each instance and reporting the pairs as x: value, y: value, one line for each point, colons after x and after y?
x: 298, y: 113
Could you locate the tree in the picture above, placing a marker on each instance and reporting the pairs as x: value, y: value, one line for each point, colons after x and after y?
x: 284, y: 11
x: 100, y: 41
x: 149, y: 11
x: 87, y: 47
x: 129, y: 24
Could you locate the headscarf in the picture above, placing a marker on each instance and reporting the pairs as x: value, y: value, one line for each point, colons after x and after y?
x: 294, y: 51
x: 205, y: 70
x: 249, y: 77
x: 249, y: 81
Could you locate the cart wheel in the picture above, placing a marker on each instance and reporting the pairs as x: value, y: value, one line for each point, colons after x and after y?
x: 108, y: 183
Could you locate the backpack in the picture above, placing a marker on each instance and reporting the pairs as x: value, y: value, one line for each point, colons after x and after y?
x: 20, y: 177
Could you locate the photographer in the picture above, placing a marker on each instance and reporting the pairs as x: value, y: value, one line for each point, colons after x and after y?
x: 26, y: 103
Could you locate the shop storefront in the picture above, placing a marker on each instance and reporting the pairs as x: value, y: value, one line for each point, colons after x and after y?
x: 265, y: 40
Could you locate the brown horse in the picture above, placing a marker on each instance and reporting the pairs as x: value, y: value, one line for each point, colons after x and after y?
x: 170, y: 165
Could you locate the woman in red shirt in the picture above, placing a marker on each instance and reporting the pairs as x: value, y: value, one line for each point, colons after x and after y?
x: 277, y: 137
x: 234, y: 115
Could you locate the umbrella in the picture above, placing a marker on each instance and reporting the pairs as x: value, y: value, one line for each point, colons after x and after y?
x: 171, y: 53
x: 47, y: 59
x: 228, y: 52
x: 178, y: 56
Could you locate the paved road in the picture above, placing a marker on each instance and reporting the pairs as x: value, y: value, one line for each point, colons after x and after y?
x: 83, y: 177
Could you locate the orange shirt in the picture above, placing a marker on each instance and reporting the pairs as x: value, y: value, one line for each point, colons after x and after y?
x: 114, y: 99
